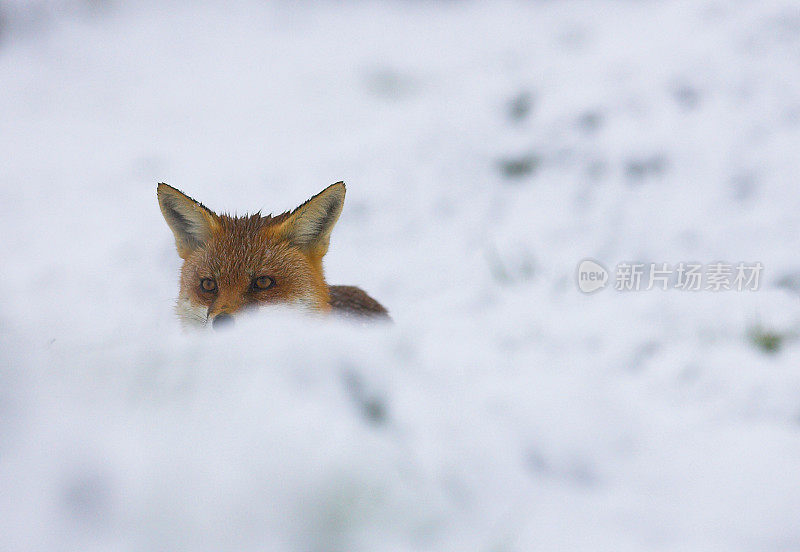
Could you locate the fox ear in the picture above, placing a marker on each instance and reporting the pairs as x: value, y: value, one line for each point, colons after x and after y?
x: 309, y: 226
x: 190, y: 221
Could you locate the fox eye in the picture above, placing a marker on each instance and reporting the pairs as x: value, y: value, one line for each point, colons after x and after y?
x: 208, y: 284
x: 263, y: 282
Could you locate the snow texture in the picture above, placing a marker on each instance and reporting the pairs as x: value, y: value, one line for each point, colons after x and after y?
x: 488, y: 147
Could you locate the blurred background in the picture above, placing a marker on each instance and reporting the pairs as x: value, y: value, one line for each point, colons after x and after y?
x: 488, y: 148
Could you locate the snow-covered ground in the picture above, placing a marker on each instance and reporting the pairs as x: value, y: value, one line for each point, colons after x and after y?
x: 488, y: 147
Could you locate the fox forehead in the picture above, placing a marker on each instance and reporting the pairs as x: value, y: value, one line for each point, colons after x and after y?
x: 238, y: 245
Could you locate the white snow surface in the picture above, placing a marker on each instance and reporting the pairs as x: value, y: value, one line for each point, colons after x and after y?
x: 503, y: 410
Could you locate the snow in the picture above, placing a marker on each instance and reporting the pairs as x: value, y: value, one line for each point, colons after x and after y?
x: 488, y: 148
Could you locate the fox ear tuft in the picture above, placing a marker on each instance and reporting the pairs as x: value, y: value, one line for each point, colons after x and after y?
x: 190, y: 221
x: 309, y: 226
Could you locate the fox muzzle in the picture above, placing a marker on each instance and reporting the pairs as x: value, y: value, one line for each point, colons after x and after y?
x: 222, y: 321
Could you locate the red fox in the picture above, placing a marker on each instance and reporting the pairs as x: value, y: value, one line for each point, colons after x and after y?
x: 235, y: 263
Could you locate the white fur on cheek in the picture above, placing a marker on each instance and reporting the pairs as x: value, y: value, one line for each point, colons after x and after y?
x: 306, y: 304
x: 191, y: 315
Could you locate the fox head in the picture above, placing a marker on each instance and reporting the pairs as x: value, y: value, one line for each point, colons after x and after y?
x: 235, y: 263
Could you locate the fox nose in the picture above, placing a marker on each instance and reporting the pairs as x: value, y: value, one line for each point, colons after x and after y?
x: 221, y: 321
